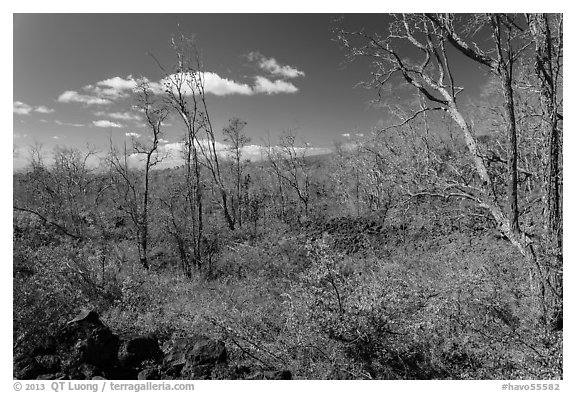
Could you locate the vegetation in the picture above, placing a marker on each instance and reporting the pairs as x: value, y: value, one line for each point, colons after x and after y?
x: 428, y: 249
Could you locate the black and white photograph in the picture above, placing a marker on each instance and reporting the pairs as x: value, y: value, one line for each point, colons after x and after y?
x: 287, y: 196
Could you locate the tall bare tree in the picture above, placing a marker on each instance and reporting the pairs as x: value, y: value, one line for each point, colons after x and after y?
x: 186, y: 94
x: 136, y: 191
x: 237, y: 140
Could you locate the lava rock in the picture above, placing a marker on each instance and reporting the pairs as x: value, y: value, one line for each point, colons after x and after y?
x: 133, y: 351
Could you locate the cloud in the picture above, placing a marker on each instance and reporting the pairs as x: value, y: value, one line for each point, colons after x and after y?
x: 113, y: 88
x: 273, y: 67
x: 61, y: 123
x: 56, y: 137
x: 346, y: 135
x: 119, y: 84
x: 264, y: 85
x: 133, y: 135
x: 213, y: 84
x: 106, y: 124
x: 43, y: 109
x: 105, y: 91
x: 119, y: 115
x: 219, y: 86
x: 73, y: 96
x: 21, y: 108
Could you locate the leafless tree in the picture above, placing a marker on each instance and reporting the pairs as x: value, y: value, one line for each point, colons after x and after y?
x: 186, y: 94
x: 237, y: 140
x: 135, y: 190
x: 289, y: 163
x: 430, y: 75
x: 61, y: 194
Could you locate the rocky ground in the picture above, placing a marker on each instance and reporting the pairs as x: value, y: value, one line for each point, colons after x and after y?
x: 85, y: 348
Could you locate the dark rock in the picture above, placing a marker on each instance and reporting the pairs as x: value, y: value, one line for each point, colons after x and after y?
x: 47, y: 347
x: 51, y: 363
x: 90, y: 343
x: 89, y: 371
x: 193, y: 357
x: 28, y: 368
x: 207, y: 352
x: 149, y: 374
x: 86, y: 349
x: 133, y: 351
x: 240, y: 371
x: 197, y: 371
x: 176, y: 352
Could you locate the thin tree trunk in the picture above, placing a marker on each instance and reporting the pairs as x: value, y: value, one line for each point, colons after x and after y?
x: 512, y: 164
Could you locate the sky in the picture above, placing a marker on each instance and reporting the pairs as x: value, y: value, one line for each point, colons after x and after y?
x: 73, y: 74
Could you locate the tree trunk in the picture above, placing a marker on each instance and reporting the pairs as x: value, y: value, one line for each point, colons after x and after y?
x: 511, y: 133
x: 540, y: 29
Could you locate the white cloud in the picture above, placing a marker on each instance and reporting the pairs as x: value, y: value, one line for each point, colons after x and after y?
x: 133, y: 135
x: 106, y: 124
x: 56, y: 137
x: 346, y: 135
x: 43, y: 109
x: 119, y: 115
x: 109, y: 90
x: 118, y: 83
x: 61, y: 123
x: 104, y: 92
x: 21, y: 108
x: 74, y: 96
x: 213, y: 84
x: 216, y: 85
x: 264, y: 85
x: 273, y: 67
x: 219, y: 86
x: 113, y: 88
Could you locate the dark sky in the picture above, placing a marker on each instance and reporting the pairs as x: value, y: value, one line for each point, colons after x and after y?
x: 59, y: 59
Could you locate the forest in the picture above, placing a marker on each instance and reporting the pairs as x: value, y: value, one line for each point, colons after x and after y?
x: 430, y: 248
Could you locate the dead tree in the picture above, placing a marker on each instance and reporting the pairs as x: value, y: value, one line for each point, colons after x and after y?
x: 430, y: 75
x: 135, y: 191
x: 237, y: 140
x: 288, y: 162
x: 186, y: 94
